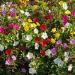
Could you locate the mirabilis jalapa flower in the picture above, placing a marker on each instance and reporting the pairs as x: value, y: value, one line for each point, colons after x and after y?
x: 64, y: 5
x: 14, y: 26
x: 42, y: 31
x: 2, y: 29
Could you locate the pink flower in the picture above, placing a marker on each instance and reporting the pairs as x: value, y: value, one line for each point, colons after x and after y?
x: 59, y: 42
x: 72, y: 41
x: 14, y: 26
x: 14, y: 57
x: 73, y: 13
x: 65, y: 46
x: 8, y: 61
x: 2, y: 30
x: 53, y: 51
x: 12, y: 14
x: 64, y: 19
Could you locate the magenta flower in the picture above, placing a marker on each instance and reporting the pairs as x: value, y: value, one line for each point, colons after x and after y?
x: 72, y: 41
x: 65, y: 46
x: 2, y: 30
x: 8, y: 61
x: 12, y: 12
x: 53, y: 51
x: 73, y: 13
x: 14, y: 26
x: 64, y: 19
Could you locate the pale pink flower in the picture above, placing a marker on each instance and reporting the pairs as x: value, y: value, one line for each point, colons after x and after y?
x: 8, y: 61
x: 14, y: 57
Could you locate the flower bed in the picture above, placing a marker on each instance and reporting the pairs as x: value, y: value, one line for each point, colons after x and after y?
x: 37, y: 38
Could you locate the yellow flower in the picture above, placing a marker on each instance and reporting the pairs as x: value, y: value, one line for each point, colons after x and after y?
x: 67, y: 12
x: 57, y: 35
x: 61, y: 3
x: 26, y: 27
x: 53, y: 40
x: 23, y: 1
x: 35, y: 7
x: 44, y: 3
x: 38, y: 24
x: 54, y: 30
x: 33, y: 25
x: 29, y: 20
x: 25, y: 23
x: 36, y: 0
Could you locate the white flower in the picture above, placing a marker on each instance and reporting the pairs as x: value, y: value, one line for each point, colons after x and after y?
x: 44, y: 35
x: 63, y: 29
x: 27, y: 14
x: 59, y: 62
x: 30, y: 55
x: 36, y: 45
x: 28, y: 37
x: 66, y: 59
x: 9, y: 17
x: 49, y: 11
x: 1, y: 47
x: 22, y: 11
x: 65, y: 6
x: 47, y: 52
x: 32, y: 71
x: 36, y: 31
x: 15, y: 43
x: 66, y: 54
x: 70, y: 67
x: 67, y: 24
x: 17, y: 35
x: 3, y: 6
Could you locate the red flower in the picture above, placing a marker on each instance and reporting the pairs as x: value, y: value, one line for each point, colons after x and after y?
x: 7, y: 52
x: 42, y: 52
x: 43, y: 27
x: 48, y: 17
x: 36, y: 19
x: 37, y: 39
x: 43, y: 43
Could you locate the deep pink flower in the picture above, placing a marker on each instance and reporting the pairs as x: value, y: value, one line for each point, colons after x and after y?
x: 64, y: 19
x: 2, y: 29
x: 14, y: 26
x: 36, y: 19
x: 73, y: 13
x: 12, y: 14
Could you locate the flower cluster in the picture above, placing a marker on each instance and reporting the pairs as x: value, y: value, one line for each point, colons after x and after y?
x: 38, y: 39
